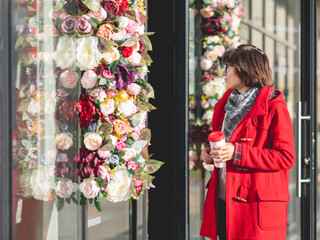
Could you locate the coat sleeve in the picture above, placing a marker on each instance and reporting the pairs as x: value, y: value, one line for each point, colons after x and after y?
x: 281, y: 155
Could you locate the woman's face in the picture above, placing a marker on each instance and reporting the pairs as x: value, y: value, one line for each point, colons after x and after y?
x: 232, y: 79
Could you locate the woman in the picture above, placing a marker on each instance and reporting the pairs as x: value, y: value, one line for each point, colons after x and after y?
x: 248, y: 198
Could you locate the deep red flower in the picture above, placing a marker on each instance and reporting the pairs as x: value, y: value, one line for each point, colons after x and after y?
x: 112, y: 6
x: 88, y: 164
x: 127, y: 51
x: 66, y: 112
x: 124, y: 6
x: 88, y: 111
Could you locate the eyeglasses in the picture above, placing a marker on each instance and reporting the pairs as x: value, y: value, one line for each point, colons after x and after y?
x: 226, y: 67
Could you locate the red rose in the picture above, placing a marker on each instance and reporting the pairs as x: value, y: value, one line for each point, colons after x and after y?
x: 112, y: 6
x: 141, y: 47
x: 66, y: 112
x: 88, y: 112
x: 127, y: 51
x: 124, y: 6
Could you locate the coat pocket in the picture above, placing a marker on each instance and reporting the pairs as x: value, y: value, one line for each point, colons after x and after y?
x: 272, y: 209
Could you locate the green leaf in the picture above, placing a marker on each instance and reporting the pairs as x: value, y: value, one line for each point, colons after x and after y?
x: 26, y: 143
x: 59, y: 5
x: 90, y: 200
x: 102, y: 81
x: 145, y: 56
x: 74, y: 200
x: 147, y: 179
x: 146, y: 42
x: 130, y: 42
x: 93, y: 5
x: 98, y: 205
x: 21, y: 41
x: 59, y: 203
x: 145, y: 153
x: 129, y: 142
x: 149, y: 33
x: 99, y: 197
x: 83, y: 200
x: 152, y: 166
x: 68, y: 200
x: 149, y: 91
x: 139, y: 144
x: 142, y: 107
x: 108, y: 44
x: 112, y: 67
x: 122, y: 60
x: 106, y: 128
x: 145, y: 134
x: 94, y: 22
x: 150, y: 106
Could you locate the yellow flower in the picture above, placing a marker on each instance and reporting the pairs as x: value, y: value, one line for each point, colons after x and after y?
x: 112, y: 171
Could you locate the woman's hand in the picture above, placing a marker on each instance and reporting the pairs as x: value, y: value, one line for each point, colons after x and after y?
x: 205, y: 155
x: 224, y: 153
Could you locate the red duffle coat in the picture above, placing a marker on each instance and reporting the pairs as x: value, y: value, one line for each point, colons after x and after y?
x: 257, y: 190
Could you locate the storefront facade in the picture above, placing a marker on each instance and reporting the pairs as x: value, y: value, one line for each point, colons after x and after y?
x: 287, y: 31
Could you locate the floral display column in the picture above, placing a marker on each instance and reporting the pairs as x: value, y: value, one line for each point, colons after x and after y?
x: 102, y: 45
x: 220, y: 30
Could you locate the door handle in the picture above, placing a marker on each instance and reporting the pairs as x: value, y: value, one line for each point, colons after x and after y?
x: 299, y: 179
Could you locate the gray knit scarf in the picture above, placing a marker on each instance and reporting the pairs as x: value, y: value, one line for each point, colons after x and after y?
x: 236, y: 108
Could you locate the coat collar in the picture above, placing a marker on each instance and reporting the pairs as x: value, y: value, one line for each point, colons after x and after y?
x: 260, y: 107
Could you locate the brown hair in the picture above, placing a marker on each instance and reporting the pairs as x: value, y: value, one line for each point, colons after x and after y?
x: 251, y: 65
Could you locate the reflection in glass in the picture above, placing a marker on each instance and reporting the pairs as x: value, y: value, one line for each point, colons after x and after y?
x: 45, y: 133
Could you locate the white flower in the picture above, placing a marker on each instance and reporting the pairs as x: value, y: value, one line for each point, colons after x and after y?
x: 135, y: 59
x: 107, y: 107
x: 205, y: 64
x: 127, y: 108
x: 113, y: 140
x: 213, y: 39
x: 92, y: 141
x: 111, y: 56
x: 65, y: 55
x: 64, y: 140
x: 207, y: 116
x: 118, y: 189
x: 213, y: 88
x: 90, y: 189
x: 211, y: 55
x: 123, y: 21
x: 88, y: 55
x: 34, y: 107
x: 42, y: 182
x: 65, y: 188
x: 143, y: 72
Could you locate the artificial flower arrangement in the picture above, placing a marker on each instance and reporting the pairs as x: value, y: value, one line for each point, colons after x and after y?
x: 104, y: 46
x: 46, y: 117
x: 220, y: 30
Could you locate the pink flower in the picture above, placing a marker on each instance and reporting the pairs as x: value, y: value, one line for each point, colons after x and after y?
x: 132, y: 165
x: 123, y: 137
x: 138, y: 184
x: 134, y: 89
x: 117, y: 36
x: 98, y: 93
x: 103, y: 172
x: 90, y: 190
x: 64, y: 189
x: 104, y: 154
x: 219, y: 49
x: 132, y: 26
x: 105, y: 31
x: 120, y: 145
x: 89, y: 79
x: 130, y: 153
x: 100, y: 15
x: 112, y: 93
x: 68, y: 79
x: 84, y: 24
x: 107, y: 74
x: 107, y: 107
